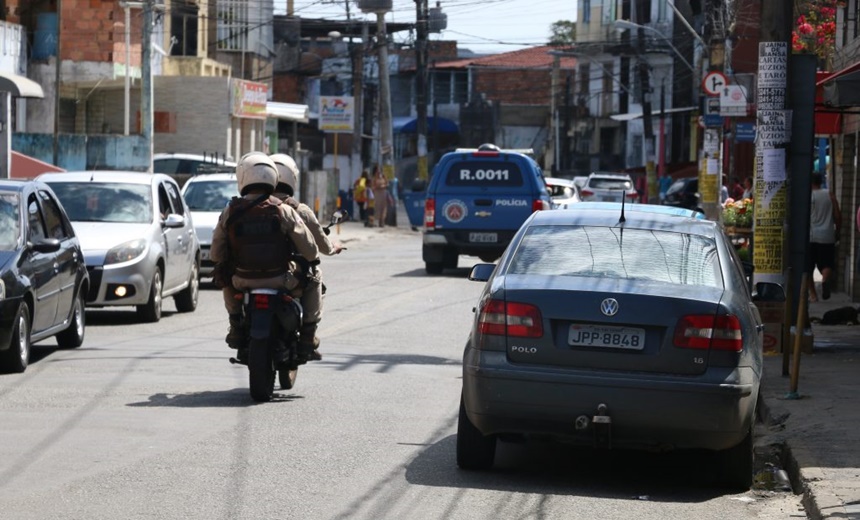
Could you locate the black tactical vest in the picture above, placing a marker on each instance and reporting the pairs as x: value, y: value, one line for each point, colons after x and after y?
x: 258, y: 246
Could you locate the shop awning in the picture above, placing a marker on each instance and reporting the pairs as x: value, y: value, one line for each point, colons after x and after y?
x: 409, y: 125
x: 288, y: 111
x: 654, y: 113
x: 842, y: 88
x: 20, y: 86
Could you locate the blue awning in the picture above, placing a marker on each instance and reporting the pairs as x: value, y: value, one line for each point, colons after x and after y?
x: 409, y: 125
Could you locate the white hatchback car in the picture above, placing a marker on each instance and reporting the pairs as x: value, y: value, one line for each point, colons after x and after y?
x: 608, y: 187
x: 562, y: 192
x: 206, y: 196
x: 137, y: 238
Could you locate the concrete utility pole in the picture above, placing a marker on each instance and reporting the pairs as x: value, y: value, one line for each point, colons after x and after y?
x: 57, y: 82
x: 773, y: 129
x: 645, y: 92
x: 357, y: 53
x: 386, y: 148
x: 421, y: 32
x: 146, y: 111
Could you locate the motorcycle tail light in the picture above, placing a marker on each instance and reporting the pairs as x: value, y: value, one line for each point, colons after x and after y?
x: 261, y: 301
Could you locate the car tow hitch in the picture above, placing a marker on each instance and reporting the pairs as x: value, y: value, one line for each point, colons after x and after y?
x: 602, y: 427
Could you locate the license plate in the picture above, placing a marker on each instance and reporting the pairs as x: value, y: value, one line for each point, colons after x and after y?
x: 204, y: 254
x: 483, y: 237
x: 606, y: 336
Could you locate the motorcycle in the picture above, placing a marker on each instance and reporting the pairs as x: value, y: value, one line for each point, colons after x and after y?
x: 271, y: 322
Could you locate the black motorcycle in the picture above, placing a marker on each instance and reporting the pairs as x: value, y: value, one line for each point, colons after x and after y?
x: 271, y: 322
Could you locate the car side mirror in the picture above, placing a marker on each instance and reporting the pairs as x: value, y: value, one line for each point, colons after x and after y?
x: 46, y: 245
x: 173, y: 221
x: 769, y: 292
x: 481, y: 272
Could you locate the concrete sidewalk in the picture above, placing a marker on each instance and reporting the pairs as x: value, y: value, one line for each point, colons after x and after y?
x: 820, y: 431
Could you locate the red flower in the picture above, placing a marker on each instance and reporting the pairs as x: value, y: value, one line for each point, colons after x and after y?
x: 805, y: 28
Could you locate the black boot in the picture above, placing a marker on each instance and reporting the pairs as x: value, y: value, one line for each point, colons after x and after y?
x: 309, y: 343
x: 235, y: 336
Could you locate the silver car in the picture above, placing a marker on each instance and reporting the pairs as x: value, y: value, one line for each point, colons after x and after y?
x: 615, y: 327
x: 608, y: 187
x: 137, y: 237
x: 206, y: 196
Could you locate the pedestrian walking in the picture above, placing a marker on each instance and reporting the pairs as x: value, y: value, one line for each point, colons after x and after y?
x: 825, y: 221
x: 380, y: 196
x: 359, y: 190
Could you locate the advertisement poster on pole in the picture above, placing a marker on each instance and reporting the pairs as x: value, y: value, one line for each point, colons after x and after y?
x: 337, y: 114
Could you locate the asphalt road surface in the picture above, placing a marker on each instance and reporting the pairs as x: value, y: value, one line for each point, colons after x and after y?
x: 151, y: 421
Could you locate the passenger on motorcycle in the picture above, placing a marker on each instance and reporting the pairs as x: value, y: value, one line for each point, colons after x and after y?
x: 255, y: 235
x: 288, y: 176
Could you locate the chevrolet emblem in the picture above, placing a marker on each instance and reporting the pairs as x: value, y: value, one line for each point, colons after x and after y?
x: 482, y: 213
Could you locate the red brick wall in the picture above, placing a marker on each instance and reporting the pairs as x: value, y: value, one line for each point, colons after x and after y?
x: 288, y: 88
x: 519, y: 87
x: 90, y: 29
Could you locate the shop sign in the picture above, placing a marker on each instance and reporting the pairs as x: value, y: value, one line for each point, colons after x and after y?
x: 249, y: 99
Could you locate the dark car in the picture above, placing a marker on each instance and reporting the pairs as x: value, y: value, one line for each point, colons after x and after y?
x: 43, y: 278
x: 621, y: 329
x: 684, y: 193
x: 476, y: 201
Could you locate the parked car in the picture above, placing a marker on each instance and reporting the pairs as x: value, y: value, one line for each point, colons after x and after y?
x: 636, y: 332
x: 684, y: 193
x: 43, y: 278
x: 476, y: 202
x: 206, y: 196
x: 580, y: 181
x: 608, y: 187
x: 138, y: 238
x: 562, y: 192
x: 192, y: 164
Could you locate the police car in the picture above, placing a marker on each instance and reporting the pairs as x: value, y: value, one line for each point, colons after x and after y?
x: 476, y: 202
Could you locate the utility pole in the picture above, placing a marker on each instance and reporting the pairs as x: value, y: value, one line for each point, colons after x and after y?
x: 146, y: 113
x: 645, y: 92
x: 421, y: 32
x: 772, y: 137
x: 357, y: 53
x: 386, y: 149
x: 57, y: 82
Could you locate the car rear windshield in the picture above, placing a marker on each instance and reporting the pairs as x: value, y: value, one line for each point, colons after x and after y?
x: 484, y: 173
x: 209, y: 195
x: 10, y: 228
x: 604, y: 183
x: 105, y: 202
x: 612, y: 252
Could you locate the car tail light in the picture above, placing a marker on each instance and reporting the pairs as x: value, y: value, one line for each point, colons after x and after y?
x: 261, y: 301
x: 632, y: 195
x: 539, y: 205
x: 586, y: 193
x: 430, y: 213
x: 705, y: 331
x: 512, y: 319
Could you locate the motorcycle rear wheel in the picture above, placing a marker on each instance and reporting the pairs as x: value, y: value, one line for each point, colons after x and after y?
x: 287, y: 377
x: 261, y: 372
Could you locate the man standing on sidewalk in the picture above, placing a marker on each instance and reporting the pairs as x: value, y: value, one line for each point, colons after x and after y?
x: 825, y: 221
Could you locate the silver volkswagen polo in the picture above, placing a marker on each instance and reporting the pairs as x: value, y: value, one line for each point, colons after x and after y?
x: 137, y: 237
x: 631, y: 328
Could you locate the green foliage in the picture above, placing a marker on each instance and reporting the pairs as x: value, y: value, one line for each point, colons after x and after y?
x: 563, y: 32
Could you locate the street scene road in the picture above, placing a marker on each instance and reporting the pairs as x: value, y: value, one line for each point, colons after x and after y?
x: 151, y: 421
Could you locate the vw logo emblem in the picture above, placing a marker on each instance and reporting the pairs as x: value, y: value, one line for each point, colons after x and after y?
x: 609, y: 307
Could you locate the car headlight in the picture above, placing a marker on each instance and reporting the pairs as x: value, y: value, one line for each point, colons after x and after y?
x: 125, y: 252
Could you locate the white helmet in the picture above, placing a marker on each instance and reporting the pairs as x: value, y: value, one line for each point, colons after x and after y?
x: 288, y: 172
x: 256, y: 169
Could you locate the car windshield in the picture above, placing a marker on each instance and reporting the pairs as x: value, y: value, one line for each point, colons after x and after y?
x: 209, y: 195
x: 10, y: 228
x: 105, y: 201
x: 612, y: 252
x: 606, y: 183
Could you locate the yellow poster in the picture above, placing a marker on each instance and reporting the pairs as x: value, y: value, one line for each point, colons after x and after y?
x: 767, y: 252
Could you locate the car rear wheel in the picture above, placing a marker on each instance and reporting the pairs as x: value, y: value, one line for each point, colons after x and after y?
x: 186, y: 299
x: 737, y: 464
x: 434, y: 267
x: 151, y: 311
x: 17, y: 357
x: 474, y: 449
x: 73, y: 336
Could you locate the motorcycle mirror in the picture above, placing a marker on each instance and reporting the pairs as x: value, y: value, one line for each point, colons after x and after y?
x: 337, y: 216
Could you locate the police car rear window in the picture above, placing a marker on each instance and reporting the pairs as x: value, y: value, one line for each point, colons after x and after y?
x: 484, y: 173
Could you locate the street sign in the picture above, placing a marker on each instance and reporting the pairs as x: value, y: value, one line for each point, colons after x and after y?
x: 713, y: 120
x: 733, y: 101
x: 745, y: 133
x: 713, y: 82
x: 713, y: 106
